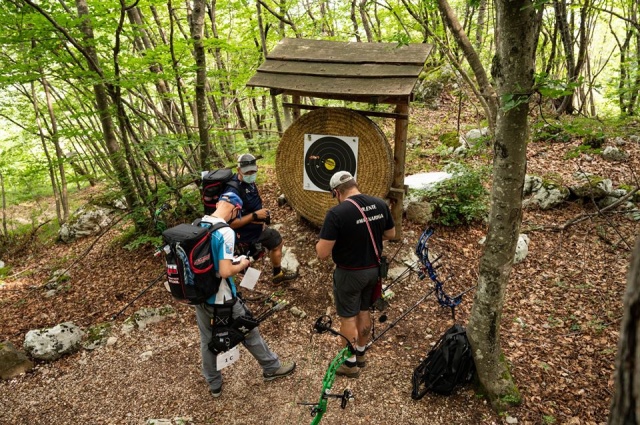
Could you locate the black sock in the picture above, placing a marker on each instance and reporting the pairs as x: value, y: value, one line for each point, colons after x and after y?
x: 276, y: 270
x: 349, y: 364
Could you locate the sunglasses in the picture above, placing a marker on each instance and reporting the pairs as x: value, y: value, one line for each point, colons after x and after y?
x: 245, y: 163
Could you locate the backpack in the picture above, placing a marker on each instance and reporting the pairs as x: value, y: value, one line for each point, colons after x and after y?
x: 447, y: 365
x: 212, y: 186
x: 190, y: 269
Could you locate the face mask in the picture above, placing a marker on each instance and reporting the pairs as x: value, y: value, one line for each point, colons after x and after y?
x: 249, y: 178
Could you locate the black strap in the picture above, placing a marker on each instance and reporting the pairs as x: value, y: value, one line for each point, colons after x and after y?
x: 238, y: 187
x: 366, y: 221
x: 217, y: 226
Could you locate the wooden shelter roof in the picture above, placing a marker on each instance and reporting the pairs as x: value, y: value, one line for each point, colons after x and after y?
x: 361, y: 72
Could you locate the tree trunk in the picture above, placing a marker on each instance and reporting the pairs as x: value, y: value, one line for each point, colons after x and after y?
x: 197, y: 32
x: 486, y: 89
x: 362, y: 6
x: 102, y: 103
x: 4, y: 206
x: 168, y: 106
x: 45, y: 149
x: 480, y: 23
x: 55, y: 139
x: 354, y: 20
x: 513, y: 70
x: 625, y: 403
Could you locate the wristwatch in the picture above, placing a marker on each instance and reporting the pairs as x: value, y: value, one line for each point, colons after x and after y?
x: 255, y: 217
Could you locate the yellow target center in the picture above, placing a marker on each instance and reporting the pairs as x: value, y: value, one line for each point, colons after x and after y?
x: 330, y: 164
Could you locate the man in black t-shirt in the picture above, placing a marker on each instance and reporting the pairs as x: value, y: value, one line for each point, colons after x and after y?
x: 346, y: 236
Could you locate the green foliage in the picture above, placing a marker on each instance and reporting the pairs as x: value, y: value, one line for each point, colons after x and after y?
x: 450, y: 139
x: 461, y: 199
x: 98, y: 331
x: 548, y: 419
x: 555, y: 88
x: 510, y: 101
x: 543, y: 132
x: 581, y: 149
x: 5, y: 271
x: 591, y: 132
x: 594, y: 140
x: 143, y: 241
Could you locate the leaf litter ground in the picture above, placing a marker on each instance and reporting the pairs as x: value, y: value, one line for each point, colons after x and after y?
x: 559, y: 327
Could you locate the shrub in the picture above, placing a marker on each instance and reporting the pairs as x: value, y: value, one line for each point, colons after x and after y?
x: 460, y: 199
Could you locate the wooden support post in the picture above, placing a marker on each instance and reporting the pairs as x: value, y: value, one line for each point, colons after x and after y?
x: 396, y: 194
x: 296, y: 111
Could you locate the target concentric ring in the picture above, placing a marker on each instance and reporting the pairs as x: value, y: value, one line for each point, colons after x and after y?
x: 325, y: 156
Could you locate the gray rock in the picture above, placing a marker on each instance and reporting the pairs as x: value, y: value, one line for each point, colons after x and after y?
x: 12, y: 361
x: 606, y: 201
x: 619, y: 141
x: 58, y: 276
x: 618, y: 193
x: 614, y: 154
x: 522, y: 249
x: 592, y: 187
x: 53, y: 343
x: 86, y: 221
x: 419, y: 212
x: 395, y: 273
x: 473, y: 136
x: 548, y: 196
x: 298, y: 312
x: 147, y: 316
x: 531, y: 184
x: 289, y: 260
x: 460, y: 150
x: 419, y: 184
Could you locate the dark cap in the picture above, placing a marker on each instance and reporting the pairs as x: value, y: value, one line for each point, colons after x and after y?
x: 247, y: 163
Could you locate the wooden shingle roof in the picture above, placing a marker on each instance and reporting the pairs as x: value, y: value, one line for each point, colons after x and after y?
x: 360, y: 72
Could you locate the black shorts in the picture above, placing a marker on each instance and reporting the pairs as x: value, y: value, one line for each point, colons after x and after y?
x: 270, y: 238
x: 352, y: 290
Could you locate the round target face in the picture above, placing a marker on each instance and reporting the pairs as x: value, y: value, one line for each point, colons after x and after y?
x: 326, y: 155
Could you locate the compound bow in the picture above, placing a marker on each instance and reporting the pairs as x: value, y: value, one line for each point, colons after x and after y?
x: 428, y: 268
x: 322, y: 325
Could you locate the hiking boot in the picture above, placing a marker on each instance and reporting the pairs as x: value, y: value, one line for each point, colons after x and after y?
x: 360, y: 360
x: 217, y: 392
x: 348, y: 371
x: 284, y: 370
x: 283, y: 277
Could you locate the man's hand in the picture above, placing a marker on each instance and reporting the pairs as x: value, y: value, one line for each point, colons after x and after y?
x: 260, y: 215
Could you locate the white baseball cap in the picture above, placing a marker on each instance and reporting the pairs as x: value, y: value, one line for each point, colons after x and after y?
x: 338, y: 178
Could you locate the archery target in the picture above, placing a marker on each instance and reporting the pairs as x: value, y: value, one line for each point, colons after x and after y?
x: 325, y: 155
x: 323, y: 142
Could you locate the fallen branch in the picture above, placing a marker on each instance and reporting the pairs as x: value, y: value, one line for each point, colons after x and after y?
x: 90, y: 247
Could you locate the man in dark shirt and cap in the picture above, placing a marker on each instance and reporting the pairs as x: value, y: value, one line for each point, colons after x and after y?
x: 348, y: 237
